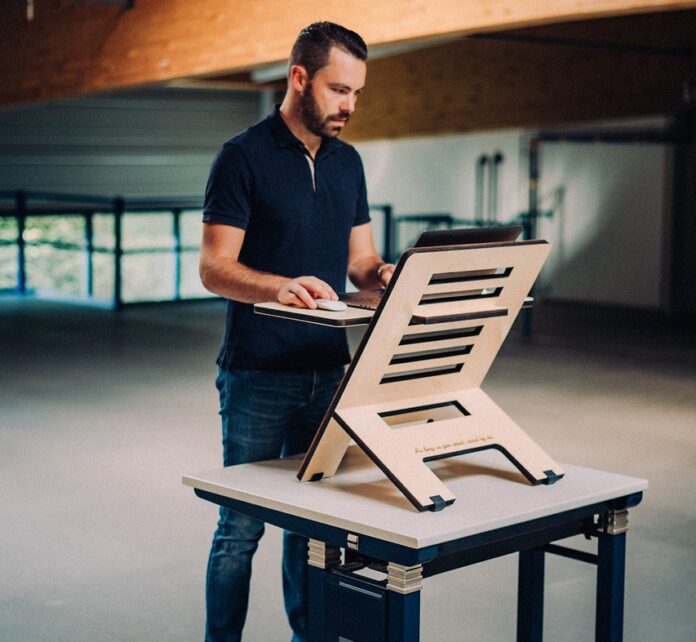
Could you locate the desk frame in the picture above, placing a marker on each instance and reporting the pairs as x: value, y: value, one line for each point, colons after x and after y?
x: 606, y: 520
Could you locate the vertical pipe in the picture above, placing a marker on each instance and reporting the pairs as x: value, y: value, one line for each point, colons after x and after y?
x: 480, y: 171
x: 176, y: 231
x: 529, y: 220
x: 89, y: 253
x: 680, y: 266
x: 21, y: 214
x: 389, y: 253
x: 493, y: 189
x: 395, y: 236
x: 119, y: 207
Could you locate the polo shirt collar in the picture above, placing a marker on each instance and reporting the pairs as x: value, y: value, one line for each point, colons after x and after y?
x: 285, y: 138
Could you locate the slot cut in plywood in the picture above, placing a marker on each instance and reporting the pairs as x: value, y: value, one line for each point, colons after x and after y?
x: 413, y: 394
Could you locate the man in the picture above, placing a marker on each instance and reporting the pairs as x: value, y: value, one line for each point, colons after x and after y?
x: 286, y: 217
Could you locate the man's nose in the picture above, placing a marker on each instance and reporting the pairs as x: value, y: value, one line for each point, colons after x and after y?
x: 348, y: 103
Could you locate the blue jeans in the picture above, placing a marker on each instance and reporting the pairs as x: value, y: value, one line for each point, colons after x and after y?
x: 265, y: 415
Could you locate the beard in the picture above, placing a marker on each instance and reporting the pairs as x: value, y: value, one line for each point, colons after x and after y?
x: 313, y: 118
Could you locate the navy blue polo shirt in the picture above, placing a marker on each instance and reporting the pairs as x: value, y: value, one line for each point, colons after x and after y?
x: 295, y: 225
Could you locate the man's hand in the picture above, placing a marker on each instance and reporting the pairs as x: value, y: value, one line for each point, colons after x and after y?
x: 365, y: 268
x: 302, y: 291
x: 385, y: 273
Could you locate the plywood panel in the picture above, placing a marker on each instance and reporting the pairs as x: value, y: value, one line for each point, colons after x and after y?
x: 72, y: 49
x: 404, y: 414
x: 477, y: 84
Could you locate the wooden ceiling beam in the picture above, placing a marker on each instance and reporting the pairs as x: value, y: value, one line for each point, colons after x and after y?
x: 70, y: 49
x: 478, y: 84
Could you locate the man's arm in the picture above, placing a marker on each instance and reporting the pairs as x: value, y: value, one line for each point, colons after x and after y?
x: 223, y: 274
x: 366, y: 269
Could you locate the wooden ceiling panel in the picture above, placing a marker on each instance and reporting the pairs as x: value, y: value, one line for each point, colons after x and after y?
x: 71, y: 49
x: 478, y: 84
x: 674, y: 30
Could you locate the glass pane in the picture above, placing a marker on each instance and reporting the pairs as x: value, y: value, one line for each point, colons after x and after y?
x: 103, y: 276
x: 8, y: 228
x: 103, y: 231
x: 191, y: 228
x: 8, y: 267
x: 67, y: 229
x: 147, y: 230
x: 52, y: 269
x: 191, y: 286
x: 148, y: 277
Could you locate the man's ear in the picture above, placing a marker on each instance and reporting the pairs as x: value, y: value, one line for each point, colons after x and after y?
x: 299, y: 78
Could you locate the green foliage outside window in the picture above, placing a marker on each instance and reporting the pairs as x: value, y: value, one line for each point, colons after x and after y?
x: 57, y: 262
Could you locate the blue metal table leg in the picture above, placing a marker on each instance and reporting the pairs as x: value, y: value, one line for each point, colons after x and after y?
x: 403, y: 617
x: 320, y: 559
x: 404, y: 584
x: 315, y: 604
x: 611, y: 567
x: 530, y: 596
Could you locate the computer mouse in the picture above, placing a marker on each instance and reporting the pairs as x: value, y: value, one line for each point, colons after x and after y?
x: 330, y: 305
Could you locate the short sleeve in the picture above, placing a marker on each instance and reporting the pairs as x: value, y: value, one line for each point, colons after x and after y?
x: 228, y: 194
x: 362, y: 209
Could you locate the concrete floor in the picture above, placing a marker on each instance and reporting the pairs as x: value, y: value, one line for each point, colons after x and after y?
x: 101, y: 412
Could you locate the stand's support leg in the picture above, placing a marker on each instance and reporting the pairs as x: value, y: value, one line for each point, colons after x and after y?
x: 530, y: 596
x: 320, y: 558
x: 404, y: 584
x: 611, y: 567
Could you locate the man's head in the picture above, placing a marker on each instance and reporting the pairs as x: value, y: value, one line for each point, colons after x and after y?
x: 327, y: 73
x: 312, y: 47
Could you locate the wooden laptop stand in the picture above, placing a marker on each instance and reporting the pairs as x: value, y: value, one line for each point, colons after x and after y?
x: 412, y: 392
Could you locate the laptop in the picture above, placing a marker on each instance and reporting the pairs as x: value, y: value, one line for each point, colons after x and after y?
x: 369, y: 299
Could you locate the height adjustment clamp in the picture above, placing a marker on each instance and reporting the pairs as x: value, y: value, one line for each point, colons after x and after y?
x: 551, y: 477
x: 438, y: 503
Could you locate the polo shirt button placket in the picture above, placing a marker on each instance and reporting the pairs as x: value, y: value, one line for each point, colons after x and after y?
x: 312, y: 166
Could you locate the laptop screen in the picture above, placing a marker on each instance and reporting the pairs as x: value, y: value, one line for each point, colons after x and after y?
x: 466, y: 235
x: 370, y: 299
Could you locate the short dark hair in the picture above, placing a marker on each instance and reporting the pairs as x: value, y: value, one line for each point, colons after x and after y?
x: 312, y: 47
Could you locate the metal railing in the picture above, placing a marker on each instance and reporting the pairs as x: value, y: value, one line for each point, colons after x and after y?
x: 21, y: 205
x: 399, y: 232
x: 405, y: 228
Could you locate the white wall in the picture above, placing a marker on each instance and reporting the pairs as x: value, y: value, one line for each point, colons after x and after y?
x: 607, y: 230
x: 153, y: 142
x: 438, y: 174
x: 609, y: 203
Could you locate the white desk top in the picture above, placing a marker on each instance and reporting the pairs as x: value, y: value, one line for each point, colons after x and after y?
x: 348, y: 317
x: 490, y: 492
